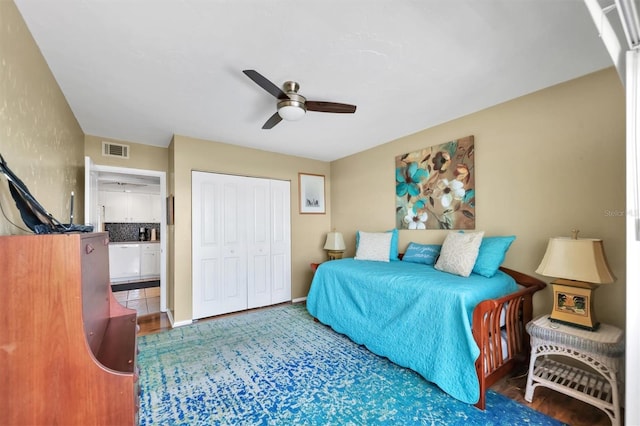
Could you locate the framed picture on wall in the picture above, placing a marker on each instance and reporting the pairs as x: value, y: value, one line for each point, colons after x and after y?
x: 311, y: 189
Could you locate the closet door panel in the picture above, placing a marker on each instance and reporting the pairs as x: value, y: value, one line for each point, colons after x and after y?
x: 234, y: 251
x: 209, y: 289
x: 231, y: 209
x: 280, y: 241
x: 209, y: 216
x: 219, y: 254
x: 258, y: 291
x: 259, y: 216
x: 280, y: 285
x: 206, y: 271
x: 258, y: 243
x: 233, y: 280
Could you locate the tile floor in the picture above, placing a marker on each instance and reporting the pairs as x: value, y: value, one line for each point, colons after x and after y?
x: 144, y: 300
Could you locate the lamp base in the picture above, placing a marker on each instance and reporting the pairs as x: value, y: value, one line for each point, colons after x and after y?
x: 334, y: 254
x: 573, y: 304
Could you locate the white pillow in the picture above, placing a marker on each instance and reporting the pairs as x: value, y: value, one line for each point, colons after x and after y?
x: 374, y: 246
x: 459, y: 253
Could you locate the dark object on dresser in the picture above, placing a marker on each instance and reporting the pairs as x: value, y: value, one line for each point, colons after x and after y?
x: 69, y: 348
x: 33, y: 214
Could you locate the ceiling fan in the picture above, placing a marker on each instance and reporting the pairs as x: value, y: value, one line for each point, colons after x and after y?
x: 291, y: 105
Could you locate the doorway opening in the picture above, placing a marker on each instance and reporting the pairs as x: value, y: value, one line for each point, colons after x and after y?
x: 107, y: 178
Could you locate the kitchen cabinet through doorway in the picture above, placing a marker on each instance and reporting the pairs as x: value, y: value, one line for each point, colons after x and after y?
x: 130, y: 207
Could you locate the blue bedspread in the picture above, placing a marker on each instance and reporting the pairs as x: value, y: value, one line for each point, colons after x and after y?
x: 413, y: 314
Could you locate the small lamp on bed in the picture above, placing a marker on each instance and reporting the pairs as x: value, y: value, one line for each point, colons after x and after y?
x: 334, y: 245
x: 580, y: 266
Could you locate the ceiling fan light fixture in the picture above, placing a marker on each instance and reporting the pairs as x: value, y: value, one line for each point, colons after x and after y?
x: 291, y: 110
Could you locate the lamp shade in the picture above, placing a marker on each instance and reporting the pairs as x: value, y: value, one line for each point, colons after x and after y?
x: 579, y: 259
x: 334, y: 241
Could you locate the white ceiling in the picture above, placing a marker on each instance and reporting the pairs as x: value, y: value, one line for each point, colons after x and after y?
x: 143, y: 70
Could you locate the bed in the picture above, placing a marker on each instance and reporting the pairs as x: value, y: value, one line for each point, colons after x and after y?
x: 461, y: 333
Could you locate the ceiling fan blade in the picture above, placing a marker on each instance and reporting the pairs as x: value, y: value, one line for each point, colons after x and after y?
x: 330, y: 107
x: 272, y: 121
x: 261, y: 81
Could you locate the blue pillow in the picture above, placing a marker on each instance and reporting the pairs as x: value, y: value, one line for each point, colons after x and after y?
x: 422, y: 253
x: 491, y: 255
x: 393, y: 251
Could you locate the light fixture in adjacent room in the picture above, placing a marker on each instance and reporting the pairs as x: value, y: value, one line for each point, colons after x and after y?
x: 334, y: 245
x: 580, y: 266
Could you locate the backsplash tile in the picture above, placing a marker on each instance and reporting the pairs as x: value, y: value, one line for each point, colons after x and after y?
x: 124, y: 232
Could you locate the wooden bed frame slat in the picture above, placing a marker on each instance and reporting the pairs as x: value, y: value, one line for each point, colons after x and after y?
x: 492, y: 364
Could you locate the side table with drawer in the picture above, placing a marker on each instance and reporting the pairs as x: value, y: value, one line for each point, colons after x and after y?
x: 602, y: 351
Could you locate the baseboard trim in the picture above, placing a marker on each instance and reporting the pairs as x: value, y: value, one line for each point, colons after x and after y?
x: 134, y: 285
x: 299, y: 300
x: 176, y: 324
x: 169, y: 317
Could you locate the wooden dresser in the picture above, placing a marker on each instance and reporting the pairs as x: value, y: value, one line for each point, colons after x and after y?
x: 67, y: 347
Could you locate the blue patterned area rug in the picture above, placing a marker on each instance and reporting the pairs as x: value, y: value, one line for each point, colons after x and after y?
x: 278, y: 367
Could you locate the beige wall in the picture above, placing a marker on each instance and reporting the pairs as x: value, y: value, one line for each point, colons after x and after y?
x: 307, y: 231
x: 545, y: 163
x: 39, y: 136
x: 141, y: 156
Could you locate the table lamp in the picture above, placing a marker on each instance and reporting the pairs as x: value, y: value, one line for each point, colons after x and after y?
x: 580, y: 266
x: 334, y: 245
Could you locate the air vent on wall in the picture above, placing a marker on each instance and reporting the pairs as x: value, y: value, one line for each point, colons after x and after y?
x: 110, y: 149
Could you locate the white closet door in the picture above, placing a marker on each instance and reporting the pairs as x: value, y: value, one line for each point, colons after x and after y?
x: 258, y: 243
x: 241, y: 243
x: 219, y: 248
x: 280, y: 241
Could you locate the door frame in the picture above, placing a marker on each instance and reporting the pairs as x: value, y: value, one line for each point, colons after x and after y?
x: 163, y: 217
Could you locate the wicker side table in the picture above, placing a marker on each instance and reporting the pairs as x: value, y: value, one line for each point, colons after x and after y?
x: 601, y: 350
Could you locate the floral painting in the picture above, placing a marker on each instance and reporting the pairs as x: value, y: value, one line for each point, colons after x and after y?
x: 435, y: 187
